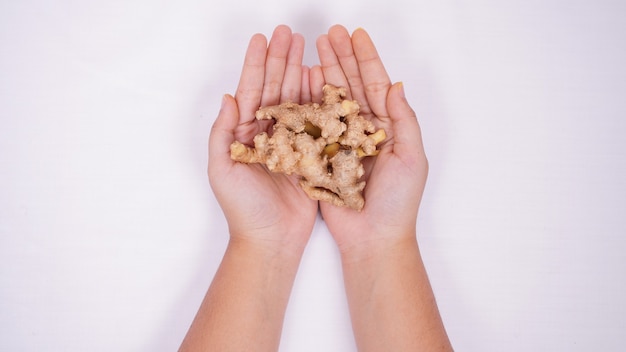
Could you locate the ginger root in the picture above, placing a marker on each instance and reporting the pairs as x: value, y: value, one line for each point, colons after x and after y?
x: 323, y: 144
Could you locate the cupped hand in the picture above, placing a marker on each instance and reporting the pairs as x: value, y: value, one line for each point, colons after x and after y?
x: 265, y: 207
x: 397, y: 176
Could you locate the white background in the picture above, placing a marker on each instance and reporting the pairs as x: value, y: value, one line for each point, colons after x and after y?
x: 110, y: 235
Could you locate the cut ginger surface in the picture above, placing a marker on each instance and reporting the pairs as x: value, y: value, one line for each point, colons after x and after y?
x: 321, y: 143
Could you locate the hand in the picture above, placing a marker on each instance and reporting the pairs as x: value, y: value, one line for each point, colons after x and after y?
x: 268, y: 208
x: 397, y: 176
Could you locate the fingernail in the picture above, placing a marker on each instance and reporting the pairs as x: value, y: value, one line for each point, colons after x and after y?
x: 224, y: 101
x: 401, y: 86
x: 358, y: 29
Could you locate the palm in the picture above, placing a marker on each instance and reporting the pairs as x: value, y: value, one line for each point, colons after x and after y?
x: 388, y: 198
x: 396, y: 177
x: 255, y: 201
x: 263, y: 200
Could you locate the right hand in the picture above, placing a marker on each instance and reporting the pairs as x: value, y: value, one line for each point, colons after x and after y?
x: 397, y: 176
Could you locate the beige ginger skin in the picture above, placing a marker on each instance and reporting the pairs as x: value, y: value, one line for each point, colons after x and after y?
x: 321, y: 143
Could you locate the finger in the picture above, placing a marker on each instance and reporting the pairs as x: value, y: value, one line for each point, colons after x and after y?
x: 376, y: 81
x: 316, y: 82
x: 275, y: 64
x: 292, y: 82
x: 250, y: 86
x: 305, y: 90
x: 339, y: 39
x: 222, y: 135
x: 407, y: 136
x: 331, y: 68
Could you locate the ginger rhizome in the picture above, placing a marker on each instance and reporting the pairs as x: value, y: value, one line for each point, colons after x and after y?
x: 321, y: 143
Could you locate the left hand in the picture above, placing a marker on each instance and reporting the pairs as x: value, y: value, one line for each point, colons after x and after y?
x: 261, y: 206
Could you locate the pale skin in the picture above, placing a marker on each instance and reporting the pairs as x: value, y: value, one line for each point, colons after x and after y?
x: 391, y: 302
x: 270, y: 219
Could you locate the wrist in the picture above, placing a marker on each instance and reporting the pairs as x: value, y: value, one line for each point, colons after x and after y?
x: 264, y: 246
x: 375, y: 250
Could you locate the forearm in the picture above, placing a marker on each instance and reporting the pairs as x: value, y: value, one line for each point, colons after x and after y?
x: 392, y: 304
x: 246, y: 302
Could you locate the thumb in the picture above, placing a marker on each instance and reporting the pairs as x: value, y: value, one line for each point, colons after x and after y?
x: 407, y: 136
x: 223, y: 134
